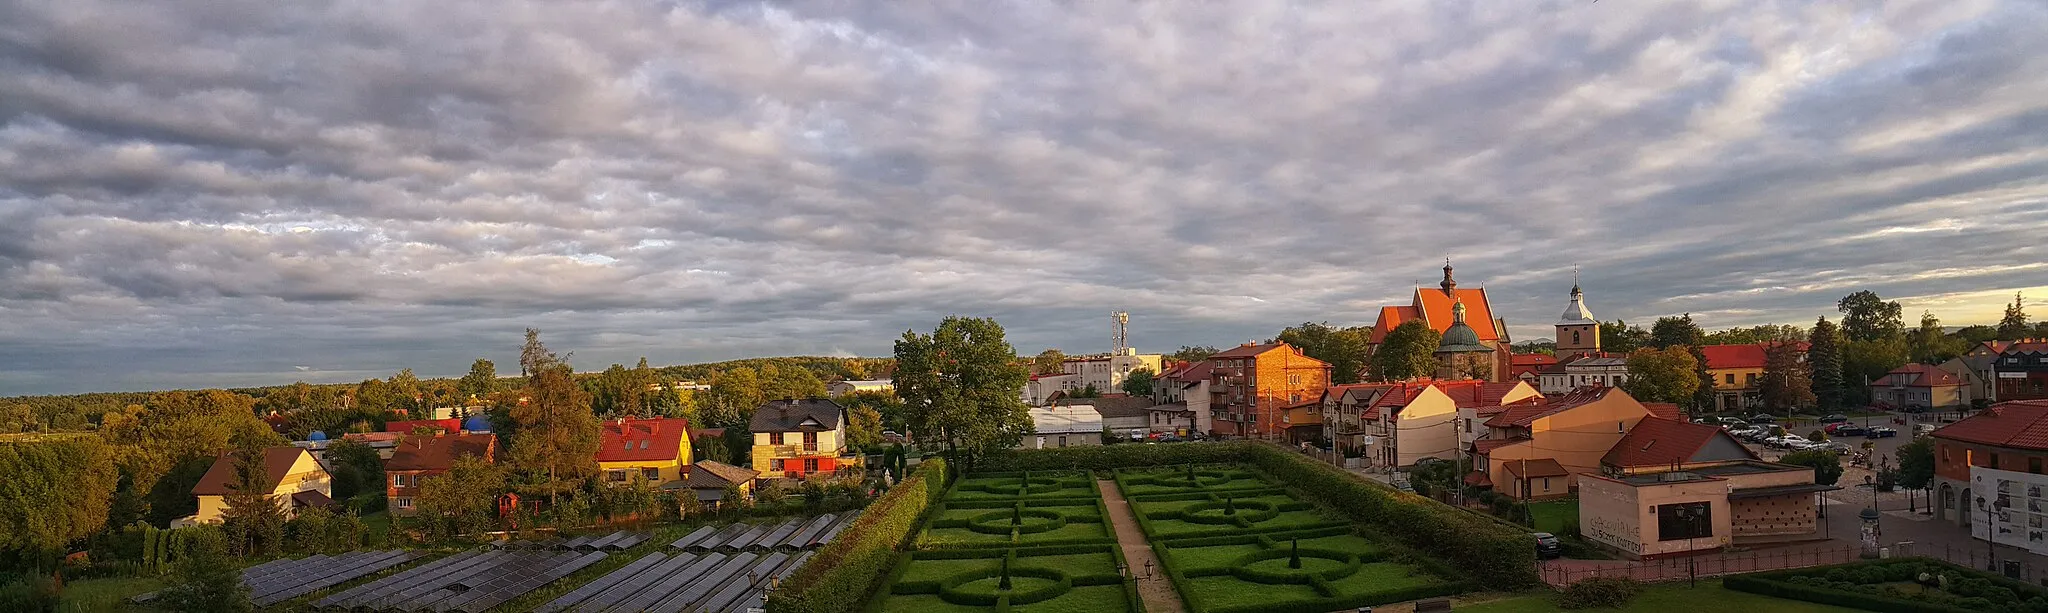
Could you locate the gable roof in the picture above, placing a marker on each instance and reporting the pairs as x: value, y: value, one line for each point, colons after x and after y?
x: 1478, y: 394
x: 1433, y: 307
x: 2026, y: 346
x: 1532, y: 359
x: 708, y: 474
x: 1247, y: 350
x: 1484, y: 445
x: 1665, y: 410
x: 1522, y: 414
x: 1545, y: 467
x: 417, y: 452
x: 220, y: 477
x: 1917, y: 375
x: 1751, y: 355
x: 2019, y: 424
x: 800, y: 415
x: 641, y: 440
x: 1663, y: 442
x: 1197, y: 373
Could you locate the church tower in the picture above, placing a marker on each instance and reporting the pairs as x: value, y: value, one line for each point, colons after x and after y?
x: 1578, y: 333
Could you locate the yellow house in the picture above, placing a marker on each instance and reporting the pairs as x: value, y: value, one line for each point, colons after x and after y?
x: 656, y: 448
x: 1574, y: 430
x: 1736, y: 370
x: 295, y: 479
x: 796, y: 438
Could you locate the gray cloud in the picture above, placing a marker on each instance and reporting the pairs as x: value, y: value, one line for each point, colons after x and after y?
x: 214, y: 195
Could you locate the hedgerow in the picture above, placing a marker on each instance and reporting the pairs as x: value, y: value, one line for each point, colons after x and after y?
x: 839, y: 577
x: 1875, y: 586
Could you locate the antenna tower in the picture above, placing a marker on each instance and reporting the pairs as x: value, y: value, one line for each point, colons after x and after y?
x: 1120, y: 323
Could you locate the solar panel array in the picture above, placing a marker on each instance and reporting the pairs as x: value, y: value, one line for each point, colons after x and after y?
x: 472, y: 581
x: 616, y: 541
x: 281, y: 580
x: 662, y: 583
x: 803, y: 534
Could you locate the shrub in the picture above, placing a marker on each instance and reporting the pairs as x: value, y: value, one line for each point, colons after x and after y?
x: 1611, y: 592
x: 839, y: 577
x: 38, y: 594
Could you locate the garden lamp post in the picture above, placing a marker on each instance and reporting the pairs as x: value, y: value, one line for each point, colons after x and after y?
x: 1692, y: 514
x: 1869, y: 516
x: 1990, y: 546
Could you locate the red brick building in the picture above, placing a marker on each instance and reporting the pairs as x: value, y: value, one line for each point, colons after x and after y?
x: 1433, y: 306
x: 2007, y: 436
x: 1262, y: 390
x: 418, y: 457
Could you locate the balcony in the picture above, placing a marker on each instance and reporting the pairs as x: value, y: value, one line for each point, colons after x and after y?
x: 790, y: 451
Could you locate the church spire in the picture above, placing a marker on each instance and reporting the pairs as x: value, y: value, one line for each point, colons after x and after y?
x: 1450, y: 286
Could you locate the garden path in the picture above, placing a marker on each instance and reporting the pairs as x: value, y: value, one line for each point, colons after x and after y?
x: 1156, y: 590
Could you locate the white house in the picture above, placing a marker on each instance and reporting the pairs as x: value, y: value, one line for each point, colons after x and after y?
x: 1064, y: 426
x: 842, y: 388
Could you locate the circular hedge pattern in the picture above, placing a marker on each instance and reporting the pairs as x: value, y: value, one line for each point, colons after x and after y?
x: 1034, y: 521
x: 1248, y: 512
x: 1021, y: 487
x: 1270, y: 566
x: 1028, y: 584
x: 1203, y: 478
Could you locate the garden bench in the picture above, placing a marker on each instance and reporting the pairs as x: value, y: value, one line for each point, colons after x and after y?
x: 1433, y: 605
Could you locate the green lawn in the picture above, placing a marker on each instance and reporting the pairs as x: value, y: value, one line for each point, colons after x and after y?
x: 1237, y: 594
x: 377, y: 528
x: 1709, y: 597
x: 1551, y: 516
x: 104, y: 594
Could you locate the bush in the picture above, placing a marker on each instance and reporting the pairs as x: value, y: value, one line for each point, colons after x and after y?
x: 1872, y: 586
x: 1610, y: 592
x: 840, y: 577
x: 37, y: 594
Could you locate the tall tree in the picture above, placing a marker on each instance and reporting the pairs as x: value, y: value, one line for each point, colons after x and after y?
x: 884, y: 403
x: 1867, y: 317
x: 1192, y: 353
x: 1049, y: 362
x: 1346, y: 349
x: 407, y: 395
x: 462, y: 500
x: 2014, y: 326
x: 790, y: 383
x: 253, y: 519
x: 1866, y: 361
x: 558, y: 435
x: 1619, y: 337
x: 1138, y: 382
x: 481, y: 380
x: 55, y: 491
x: 357, y: 469
x: 1703, y: 396
x: 1786, y: 383
x: 1662, y: 375
x: 1916, y: 463
x: 1671, y: 332
x: 173, y: 437
x: 534, y: 355
x: 1929, y: 345
x: 733, y: 396
x: 959, y: 387
x: 1824, y: 358
x: 863, y: 426
x: 1409, y: 351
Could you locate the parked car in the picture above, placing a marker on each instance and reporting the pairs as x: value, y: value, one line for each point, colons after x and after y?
x: 1763, y: 418
x: 1547, y: 546
x: 1915, y: 408
x: 1789, y: 441
x: 1881, y: 432
x: 1834, y: 418
x: 1923, y: 429
x: 1840, y: 448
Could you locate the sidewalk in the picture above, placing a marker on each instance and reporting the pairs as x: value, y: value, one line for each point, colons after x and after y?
x: 1153, y: 585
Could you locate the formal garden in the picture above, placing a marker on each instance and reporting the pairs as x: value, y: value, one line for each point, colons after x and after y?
x: 1024, y: 540
x: 1906, y: 584
x: 1233, y: 541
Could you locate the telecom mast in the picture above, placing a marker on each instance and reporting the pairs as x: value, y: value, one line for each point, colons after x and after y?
x: 1120, y: 323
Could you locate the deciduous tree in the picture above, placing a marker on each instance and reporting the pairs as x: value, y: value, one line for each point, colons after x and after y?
x: 1192, y: 353
x: 1786, y: 383
x: 731, y: 401
x: 1619, y: 337
x: 959, y: 387
x: 1409, y: 351
x: 863, y: 426
x: 55, y: 491
x: 1138, y: 382
x: 1827, y: 466
x: 253, y: 520
x: 1662, y: 375
x: 1867, y: 317
x: 1916, y: 463
x: 357, y: 469
x: 1049, y: 362
x: 1671, y: 332
x: 481, y: 380
x: 1929, y: 345
x: 558, y: 435
x: 1346, y: 349
x: 462, y: 500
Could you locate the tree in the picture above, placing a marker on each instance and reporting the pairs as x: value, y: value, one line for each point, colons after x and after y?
x: 534, y: 356
x: 1670, y: 332
x: 616, y: 391
x: 1786, y: 383
x: 959, y: 385
x: 1916, y: 463
x: 1049, y: 362
x: 56, y: 491
x: 165, y: 444
x: 206, y: 580
x: 1866, y: 361
x: 253, y: 520
x: 1192, y: 353
x: 789, y: 383
x: 1138, y: 382
x: 1619, y: 337
x: 1827, y: 466
x: 1824, y: 359
x: 558, y: 435
x: 883, y: 402
x: 1929, y: 345
x: 2013, y: 326
x: 1409, y: 351
x: 406, y: 394
x: 1542, y: 346
x: 1346, y: 349
x: 357, y: 469
x: 733, y: 396
x: 863, y: 425
x: 1703, y: 395
x: 1662, y: 375
x: 462, y: 500
x: 1972, y: 335
x: 1766, y: 333
x: 1866, y: 317
x: 481, y: 380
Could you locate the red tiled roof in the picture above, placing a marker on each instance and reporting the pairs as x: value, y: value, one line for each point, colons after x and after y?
x: 1197, y: 373
x: 1661, y: 442
x: 1478, y: 478
x: 277, y: 463
x: 2019, y: 424
x: 1997, y: 346
x: 405, y: 427
x: 1917, y: 375
x: 1665, y: 410
x: 1545, y: 467
x: 1433, y: 306
x: 1532, y: 359
x: 1485, y: 445
x: 1247, y: 351
x: 1390, y: 318
x: 2026, y: 346
x: 1751, y: 355
x: 417, y: 452
x: 1521, y: 414
x: 1475, y: 393
x: 641, y: 440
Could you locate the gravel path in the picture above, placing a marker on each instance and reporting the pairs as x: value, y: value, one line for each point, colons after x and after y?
x: 1157, y: 590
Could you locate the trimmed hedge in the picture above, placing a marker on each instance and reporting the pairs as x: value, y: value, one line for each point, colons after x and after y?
x: 1859, y: 585
x: 841, y: 576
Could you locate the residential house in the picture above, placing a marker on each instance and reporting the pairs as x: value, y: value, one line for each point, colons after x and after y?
x: 1041, y: 390
x: 2022, y: 371
x: 1528, y: 366
x: 2009, y: 436
x: 797, y: 438
x: 1192, y: 388
x: 420, y: 456
x: 1737, y: 370
x: 1398, y: 424
x: 291, y: 477
x: 1978, y: 370
x: 1479, y: 401
x: 836, y: 389
x: 1106, y: 373
x: 1253, y: 388
x: 657, y: 449
x: 1071, y: 425
x: 1576, y: 429
x: 708, y: 480
x: 1919, y: 385
x: 1435, y: 308
x: 1602, y: 369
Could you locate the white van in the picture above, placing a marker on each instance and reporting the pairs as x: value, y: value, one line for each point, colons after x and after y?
x: 1921, y: 430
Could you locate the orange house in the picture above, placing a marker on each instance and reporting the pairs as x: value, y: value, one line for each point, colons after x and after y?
x: 1264, y: 390
x: 1575, y: 430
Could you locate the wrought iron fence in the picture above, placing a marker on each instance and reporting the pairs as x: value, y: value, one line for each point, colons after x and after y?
x: 1563, y: 573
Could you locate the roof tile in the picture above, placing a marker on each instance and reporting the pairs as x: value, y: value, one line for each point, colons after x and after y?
x: 2019, y: 424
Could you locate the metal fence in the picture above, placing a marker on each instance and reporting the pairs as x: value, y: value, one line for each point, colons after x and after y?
x: 1563, y: 573
x: 2023, y: 567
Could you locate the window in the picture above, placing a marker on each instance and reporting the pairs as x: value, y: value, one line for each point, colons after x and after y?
x: 1731, y: 378
x: 616, y: 475
x: 1575, y: 337
x: 775, y: 438
x: 652, y: 474
x: 1994, y: 461
x: 810, y: 441
x: 1685, y: 521
x: 810, y: 465
x: 1063, y: 440
x: 2034, y: 465
x: 397, y: 481
x: 643, y: 444
x: 1749, y: 379
x: 1944, y: 453
x: 775, y: 465
x: 403, y: 502
x: 1546, y: 484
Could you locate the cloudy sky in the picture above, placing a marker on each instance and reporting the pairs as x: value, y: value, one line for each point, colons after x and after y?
x: 236, y: 193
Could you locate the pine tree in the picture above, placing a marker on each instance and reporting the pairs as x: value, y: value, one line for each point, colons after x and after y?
x: 253, y: 520
x: 1825, y: 359
x: 2014, y: 326
x: 1786, y: 384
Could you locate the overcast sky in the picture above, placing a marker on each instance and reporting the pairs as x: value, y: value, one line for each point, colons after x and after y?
x: 242, y: 193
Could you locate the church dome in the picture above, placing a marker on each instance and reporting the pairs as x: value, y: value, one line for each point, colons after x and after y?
x: 1460, y: 337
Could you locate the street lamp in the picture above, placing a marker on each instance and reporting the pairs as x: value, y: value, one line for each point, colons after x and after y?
x: 1990, y: 545
x: 1692, y: 514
